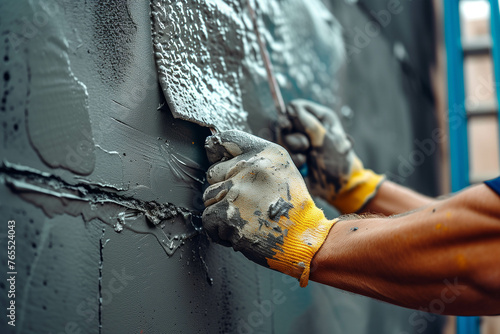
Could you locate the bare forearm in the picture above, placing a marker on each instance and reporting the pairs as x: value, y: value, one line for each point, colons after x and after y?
x: 392, y: 198
x: 444, y: 255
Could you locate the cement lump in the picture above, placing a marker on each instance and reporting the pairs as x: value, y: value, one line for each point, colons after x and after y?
x: 171, y: 225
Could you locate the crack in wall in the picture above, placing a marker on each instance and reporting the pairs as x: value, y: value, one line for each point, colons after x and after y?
x: 171, y: 225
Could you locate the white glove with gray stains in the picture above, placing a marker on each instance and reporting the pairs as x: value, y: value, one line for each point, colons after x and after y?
x: 259, y: 204
x: 335, y: 172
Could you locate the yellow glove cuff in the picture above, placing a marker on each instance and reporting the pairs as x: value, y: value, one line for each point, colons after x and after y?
x: 361, y: 187
x: 307, y: 229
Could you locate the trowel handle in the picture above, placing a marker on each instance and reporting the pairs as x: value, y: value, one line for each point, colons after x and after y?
x: 279, y: 103
x: 283, y: 118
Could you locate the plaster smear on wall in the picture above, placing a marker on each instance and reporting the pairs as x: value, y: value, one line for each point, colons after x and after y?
x: 57, y: 113
x: 162, y: 159
x: 171, y: 225
x: 199, y: 50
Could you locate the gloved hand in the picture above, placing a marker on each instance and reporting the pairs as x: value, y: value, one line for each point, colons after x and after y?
x: 335, y: 172
x: 259, y: 204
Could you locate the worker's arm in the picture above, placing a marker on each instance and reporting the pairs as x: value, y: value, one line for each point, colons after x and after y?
x: 444, y: 254
x: 392, y: 199
x: 444, y: 258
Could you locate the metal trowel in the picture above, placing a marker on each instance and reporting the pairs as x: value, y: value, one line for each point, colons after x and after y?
x: 199, y: 53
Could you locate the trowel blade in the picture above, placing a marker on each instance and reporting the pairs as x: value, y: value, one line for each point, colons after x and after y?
x: 199, y: 51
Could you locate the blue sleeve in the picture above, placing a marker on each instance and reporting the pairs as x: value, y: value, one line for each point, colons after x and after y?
x: 494, y: 185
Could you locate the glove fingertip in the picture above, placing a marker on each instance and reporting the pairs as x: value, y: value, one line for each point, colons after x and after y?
x: 232, y: 143
x: 210, y: 225
x: 215, y: 151
x: 297, y: 142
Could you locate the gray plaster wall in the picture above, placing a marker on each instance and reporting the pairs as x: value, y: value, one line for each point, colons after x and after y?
x: 386, y: 82
x: 105, y: 185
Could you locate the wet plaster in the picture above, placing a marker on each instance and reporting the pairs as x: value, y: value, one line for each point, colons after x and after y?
x: 136, y: 100
x: 160, y: 154
x: 57, y: 113
x: 13, y: 90
x: 141, y: 150
x: 57, y: 286
x: 114, y: 35
x: 198, y: 50
x: 182, y: 301
x: 170, y: 225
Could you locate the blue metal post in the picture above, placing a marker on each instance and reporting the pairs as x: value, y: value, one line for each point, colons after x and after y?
x: 457, y: 118
x: 495, y: 37
x: 468, y: 325
x: 459, y: 149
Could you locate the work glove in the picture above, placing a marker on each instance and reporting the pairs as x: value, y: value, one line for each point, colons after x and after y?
x: 315, y: 136
x: 259, y: 204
